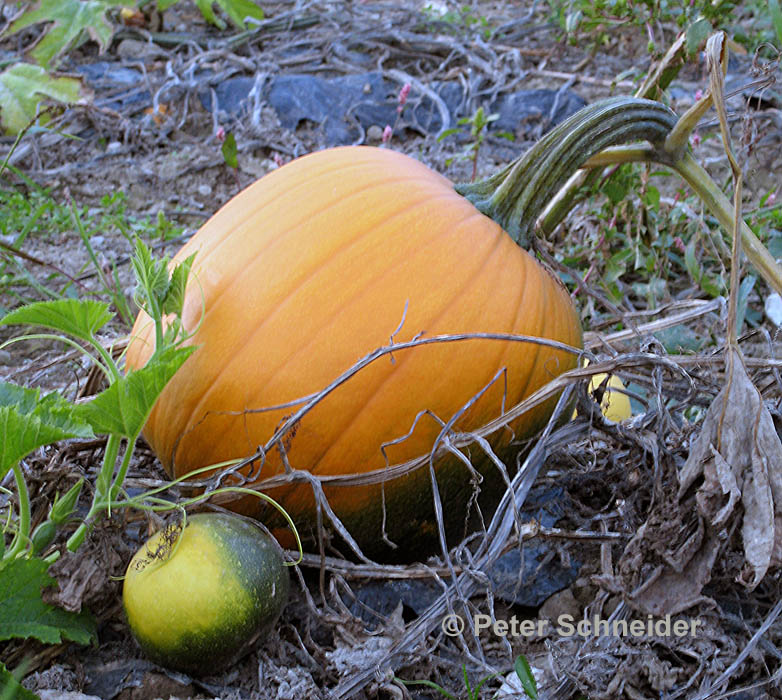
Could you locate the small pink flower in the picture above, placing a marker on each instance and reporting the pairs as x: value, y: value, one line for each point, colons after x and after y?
x: 220, y: 134
x: 698, y: 94
x: 696, y: 139
x: 679, y: 243
x: 771, y: 199
x: 402, y: 98
x: 278, y: 161
x: 387, y: 133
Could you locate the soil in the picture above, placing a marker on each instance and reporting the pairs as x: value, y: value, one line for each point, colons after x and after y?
x: 621, y: 522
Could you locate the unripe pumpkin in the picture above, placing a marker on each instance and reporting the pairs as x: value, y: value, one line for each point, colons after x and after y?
x: 308, y: 270
x: 197, y: 597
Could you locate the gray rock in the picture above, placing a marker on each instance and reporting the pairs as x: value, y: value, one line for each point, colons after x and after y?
x: 133, y: 48
x: 105, y: 76
x: 521, y: 111
x: 340, y: 105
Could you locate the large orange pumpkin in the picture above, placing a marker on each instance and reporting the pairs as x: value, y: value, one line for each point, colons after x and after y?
x: 316, y: 265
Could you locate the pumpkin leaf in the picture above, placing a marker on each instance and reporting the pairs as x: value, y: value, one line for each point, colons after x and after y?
x: 152, y: 276
x: 237, y: 10
x: 162, y: 291
x: 174, y: 299
x: 80, y: 318
x: 29, y: 421
x: 68, y: 21
x: 124, y: 407
x: 733, y: 478
x: 11, y: 688
x: 23, y: 613
x: 696, y: 34
x: 23, y: 86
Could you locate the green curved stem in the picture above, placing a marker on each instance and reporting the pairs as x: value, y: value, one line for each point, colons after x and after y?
x: 721, y: 207
x: 22, y: 536
x: 101, y: 495
x: 123, y: 470
x: 109, y: 368
x: 516, y: 195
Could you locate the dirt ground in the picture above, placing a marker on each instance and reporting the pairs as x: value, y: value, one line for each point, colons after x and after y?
x: 610, y: 535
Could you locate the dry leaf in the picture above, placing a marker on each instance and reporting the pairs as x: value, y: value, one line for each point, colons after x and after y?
x: 738, y: 454
x: 733, y: 474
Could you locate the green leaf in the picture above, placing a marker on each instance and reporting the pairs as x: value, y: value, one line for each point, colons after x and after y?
x: 229, y: 151
x: 616, y: 265
x: 205, y: 6
x: 525, y: 675
x: 11, y: 689
x: 237, y: 11
x: 691, y: 261
x: 774, y: 244
x: 174, y: 299
x: 447, y: 133
x: 697, y: 33
x: 616, y: 190
x: 23, y: 86
x: 652, y: 198
x: 124, y: 407
x: 163, y: 5
x: 68, y: 20
x: 28, y: 421
x: 679, y: 339
x: 80, y: 318
x: 23, y: 613
x: 713, y: 286
x: 152, y: 275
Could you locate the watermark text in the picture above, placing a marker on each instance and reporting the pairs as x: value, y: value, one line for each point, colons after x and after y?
x: 568, y: 626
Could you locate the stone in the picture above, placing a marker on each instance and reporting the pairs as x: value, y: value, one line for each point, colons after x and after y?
x: 335, y: 105
x: 133, y: 48
x: 375, y: 133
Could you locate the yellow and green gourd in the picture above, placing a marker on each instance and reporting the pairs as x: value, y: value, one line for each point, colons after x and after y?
x: 196, y: 597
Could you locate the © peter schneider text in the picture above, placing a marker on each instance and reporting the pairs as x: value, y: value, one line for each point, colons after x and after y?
x: 568, y: 626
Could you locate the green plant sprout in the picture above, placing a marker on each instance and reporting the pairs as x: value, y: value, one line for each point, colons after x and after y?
x: 37, y: 215
x: 521, y: 667
x: 478, y: 123
x: 454, y: 21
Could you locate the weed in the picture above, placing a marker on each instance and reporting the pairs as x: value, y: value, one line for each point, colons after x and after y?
x: 478, y: 124
x: 635, y: 245
x: 457, y: 21
x: 521, y: 667
x: 37, y: 217
x: 67, y: 24
x: 593, y: 21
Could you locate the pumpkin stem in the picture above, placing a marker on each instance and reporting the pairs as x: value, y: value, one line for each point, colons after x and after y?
x: 516, y: 195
